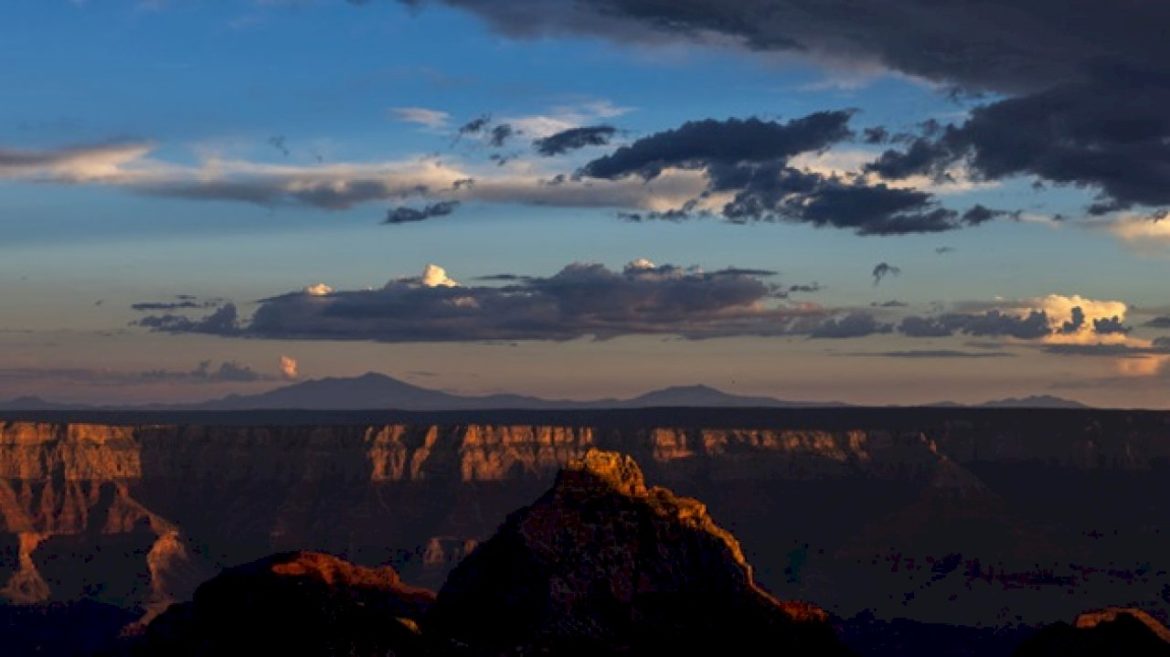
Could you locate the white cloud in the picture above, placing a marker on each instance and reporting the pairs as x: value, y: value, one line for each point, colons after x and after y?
x: 318, y: 290
x: 849, y: 162
x: 436, y: 276
x: 1059, y: 309
x: 1141, y: 232
x: 289, y: 368
x: 76, y: 164
x: 423, y: 116
x: 564, y: 117
x: 341, y: 185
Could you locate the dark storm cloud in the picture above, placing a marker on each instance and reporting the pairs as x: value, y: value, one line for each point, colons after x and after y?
x: 405, y: 214
x: 926, y: 327
x: 1110, y: 134
x: 573, y: 139
x: 1075, y: 322
x: 875, y: 135
x: 995, y: 323
x: 223, y: 321
x: 1083, y: 85
x: 181, y: 302
x: 979, y: 214
x: 803, y: 288
x: 771, y: 193
x: 147, y: 306
x: 475, y: 126
x: 999, y: 45
x: 500, y: 134
x: 853, y: 325
x: 884, y: 269
x: 503, y: 277
x: 581, y: 300
x: 687, y: 211
x: 1159, y: 322
x: 700, y: 144
x: 1110, y: 325
x: 748, y: 158
x: 992, y: 323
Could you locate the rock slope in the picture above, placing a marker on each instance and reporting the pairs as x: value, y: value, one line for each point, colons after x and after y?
x: 603, y: 565
x: 301, y: 603
x: 1111, y: 632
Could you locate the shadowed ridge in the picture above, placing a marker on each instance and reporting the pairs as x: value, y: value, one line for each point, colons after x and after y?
x: 1091, y: 619
x: 1109, y: 632
x: 296, y: 603
x: 601, y: 564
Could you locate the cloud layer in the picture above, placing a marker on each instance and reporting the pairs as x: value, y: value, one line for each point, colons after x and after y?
x: 1082, y: 85
x: 581, y: 300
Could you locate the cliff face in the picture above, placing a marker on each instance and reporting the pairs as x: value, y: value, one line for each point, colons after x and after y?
x: 599, y: 565
x: 240, y: 492
x: 137, y: 515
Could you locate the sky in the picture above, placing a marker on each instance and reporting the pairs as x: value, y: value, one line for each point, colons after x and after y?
x: 878, y: 204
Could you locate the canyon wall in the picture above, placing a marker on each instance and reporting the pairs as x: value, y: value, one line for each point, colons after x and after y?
x: 137, y: 515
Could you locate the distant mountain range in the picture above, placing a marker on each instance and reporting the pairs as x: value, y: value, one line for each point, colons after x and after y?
x: 1032, y: 401
x: 377, y: 391
x: 373, y: 390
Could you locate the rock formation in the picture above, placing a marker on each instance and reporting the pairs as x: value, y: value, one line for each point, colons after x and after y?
x: 1111, y: 632
x: 600, y: 565
x: 942, y: 516
x: 301, y: 603
x: 603, y: 565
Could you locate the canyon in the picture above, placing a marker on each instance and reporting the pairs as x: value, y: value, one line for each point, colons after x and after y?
x: 977, y: 517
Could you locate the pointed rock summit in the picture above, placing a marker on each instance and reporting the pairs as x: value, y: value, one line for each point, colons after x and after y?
x: 603, y: 565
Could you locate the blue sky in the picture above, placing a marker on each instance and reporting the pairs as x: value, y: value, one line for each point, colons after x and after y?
x: 312, y: 88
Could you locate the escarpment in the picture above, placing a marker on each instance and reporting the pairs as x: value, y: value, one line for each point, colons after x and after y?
x: 179, y: 500
x: 136, y: 515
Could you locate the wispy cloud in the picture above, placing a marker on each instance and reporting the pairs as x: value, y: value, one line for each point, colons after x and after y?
x: 430, y: 118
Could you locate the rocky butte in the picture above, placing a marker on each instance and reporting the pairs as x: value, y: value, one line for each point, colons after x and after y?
x: 599, y: 565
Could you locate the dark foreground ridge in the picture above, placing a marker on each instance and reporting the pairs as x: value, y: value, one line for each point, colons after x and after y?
x: 297, y: 603
x: 599, y: 565
x: 1116, y: 631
